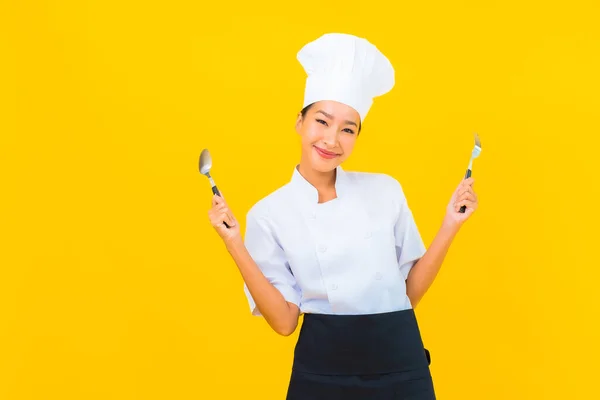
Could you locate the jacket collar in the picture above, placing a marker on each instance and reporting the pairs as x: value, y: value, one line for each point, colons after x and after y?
x: 308, y: 192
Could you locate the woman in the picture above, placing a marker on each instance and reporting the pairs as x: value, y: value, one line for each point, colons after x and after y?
x: 342, y: 248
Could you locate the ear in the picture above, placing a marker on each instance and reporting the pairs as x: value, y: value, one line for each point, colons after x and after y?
x: 299, y: 122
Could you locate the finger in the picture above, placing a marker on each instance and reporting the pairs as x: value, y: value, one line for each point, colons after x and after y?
x: 471, y: 191
x: 220, y: 226
x: 218, y: 199
x: 466, y: 196
x: 467, y: 182
x: 460, y: 202
x: 226, y: 217
x: 215, y: 218
x: 468, y: 203
x: 461, y: 195
x: 463, y: 190
x: 224, y: 209
x: 463, y: 184
x: 215, y: 221
x: 218, y: 218
x: 229, y: 218
x: 468, y: 189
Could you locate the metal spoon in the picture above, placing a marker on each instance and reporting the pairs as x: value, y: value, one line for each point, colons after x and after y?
x: 205, y: 165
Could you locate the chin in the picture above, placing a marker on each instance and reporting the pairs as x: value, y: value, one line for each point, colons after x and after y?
x: 321, y: 165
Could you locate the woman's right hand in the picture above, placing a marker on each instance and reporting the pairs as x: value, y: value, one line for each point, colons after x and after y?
x: 220, y: 213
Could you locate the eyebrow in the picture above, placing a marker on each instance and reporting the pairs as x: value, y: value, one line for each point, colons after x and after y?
x: 331, y: 117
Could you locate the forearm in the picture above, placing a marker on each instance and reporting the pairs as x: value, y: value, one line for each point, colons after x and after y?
x: 424, y: 272
x: 279, y: 314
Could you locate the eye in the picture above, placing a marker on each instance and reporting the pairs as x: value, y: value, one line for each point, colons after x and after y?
x: 349, y: 130
x: 321, y: 121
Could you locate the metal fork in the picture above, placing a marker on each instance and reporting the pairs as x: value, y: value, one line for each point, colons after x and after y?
x: 474, y: 154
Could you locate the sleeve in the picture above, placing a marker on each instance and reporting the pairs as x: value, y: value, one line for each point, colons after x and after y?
x: 409, y: 244
x: 265, y: 250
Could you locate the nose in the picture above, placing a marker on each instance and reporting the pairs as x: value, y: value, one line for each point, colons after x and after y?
x: 330, y: 136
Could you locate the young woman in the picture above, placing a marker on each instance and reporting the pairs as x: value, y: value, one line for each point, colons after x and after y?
x: 342, y: 248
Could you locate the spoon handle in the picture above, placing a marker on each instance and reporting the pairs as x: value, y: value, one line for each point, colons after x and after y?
x: 216, y: 191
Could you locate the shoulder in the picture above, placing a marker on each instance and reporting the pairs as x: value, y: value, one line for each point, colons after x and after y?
x: 379, y: 190
x: 380, y: 182
x: 264, y: 208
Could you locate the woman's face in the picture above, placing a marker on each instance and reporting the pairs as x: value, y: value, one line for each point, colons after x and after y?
x: 328, y: 131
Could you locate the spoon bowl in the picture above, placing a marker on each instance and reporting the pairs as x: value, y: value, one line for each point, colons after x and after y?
x: 205, y: 163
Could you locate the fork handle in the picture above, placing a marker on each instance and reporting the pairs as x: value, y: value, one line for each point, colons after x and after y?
x: 467, y: 175
x: 216, y: 191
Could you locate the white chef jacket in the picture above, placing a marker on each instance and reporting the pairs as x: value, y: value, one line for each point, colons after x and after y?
x: 349, y: 255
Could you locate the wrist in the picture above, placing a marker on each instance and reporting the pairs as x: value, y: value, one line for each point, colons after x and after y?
x: 450, y: 226
x: 235, y: 244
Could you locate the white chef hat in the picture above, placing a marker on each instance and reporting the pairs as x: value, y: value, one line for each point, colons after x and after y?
x: 347, y: 69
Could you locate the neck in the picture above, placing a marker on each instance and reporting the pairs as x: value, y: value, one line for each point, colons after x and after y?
x: 324, y: 182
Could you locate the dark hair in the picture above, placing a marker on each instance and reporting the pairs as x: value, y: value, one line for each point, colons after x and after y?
x: 305, y: 109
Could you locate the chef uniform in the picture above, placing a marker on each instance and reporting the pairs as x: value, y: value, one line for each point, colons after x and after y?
x: 345, y: 262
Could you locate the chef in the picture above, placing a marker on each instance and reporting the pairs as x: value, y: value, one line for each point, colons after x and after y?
x: 342, y: 247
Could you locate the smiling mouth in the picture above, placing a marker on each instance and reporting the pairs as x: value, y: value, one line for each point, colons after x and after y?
x: 325, y: 153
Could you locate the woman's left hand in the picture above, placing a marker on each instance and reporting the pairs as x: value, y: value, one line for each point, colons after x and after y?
x: 463, y: 195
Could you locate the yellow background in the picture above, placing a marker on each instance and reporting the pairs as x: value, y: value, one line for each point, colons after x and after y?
x: 113, y: 285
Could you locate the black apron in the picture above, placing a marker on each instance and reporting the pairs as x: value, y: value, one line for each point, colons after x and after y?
x: 366, y: 357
